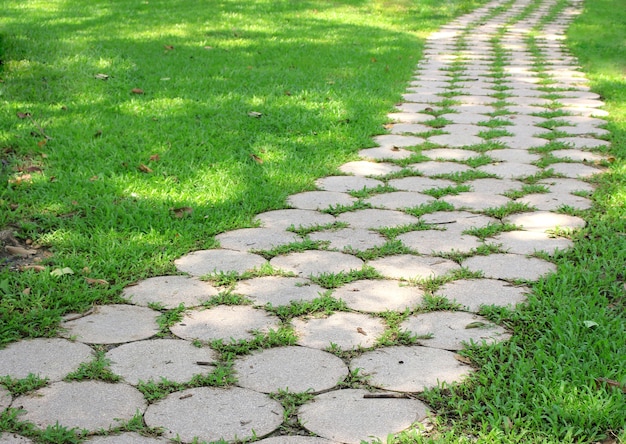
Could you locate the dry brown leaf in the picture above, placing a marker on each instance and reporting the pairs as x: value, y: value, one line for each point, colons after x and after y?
x: 373, y: 60
x: 388, y: 126
x: 144, y: 168
x: 26, y: 291
x: 256, y: 158
x: 42, y: 143
x: 93, y: 178
x: 463, y: 359
x: 360, y: 330
x: 91, y: 281
x: 137, y: 91
x: 19, y: 251
x: 98, y: 133
x: 155, y: 158
x: 168, y: 47
x: 23, y: 115
x: 34, y: 169
x: 181, y: 212
x: 33, y: 267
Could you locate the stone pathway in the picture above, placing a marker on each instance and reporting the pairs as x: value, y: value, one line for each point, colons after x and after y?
x: 472, y: 191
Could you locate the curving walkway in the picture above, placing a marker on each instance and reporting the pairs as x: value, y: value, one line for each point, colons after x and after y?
x: 507, y: 132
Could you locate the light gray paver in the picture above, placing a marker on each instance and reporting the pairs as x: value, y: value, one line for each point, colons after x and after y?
x: 293, y: 369
x: 419, y: 183
x: 584, y: 142
x: 544, y: 221
x: 397, y: 200
x: 294, y: 439
x: 347, y: 416
x: 516, y: 156
x: 125, y: 438
x: 372, y: 219
x: 345, y: 330
x: 449, y: 154
x: 554, y: 201
x: 170, y: 292
x: 379, y: 296
x: 476, y: 201
x: 529, y: 242
x: 393, y: 140
x: 455, y: 140
x: 12, y: 438
x: 567, y: 185
x: 51, y: 358
x: 278, y: 290
x: 494, y: 186
x: 436, y: 241
x: 472, y: 293
x: 408, y: 266
x: 520, y: 142
x: 248, y: 239
x: 415, y: 128
x: 365, y: 168
x: 574, y: 170
x: 347, y: 183
x: 319, y: 200
x: 510, y: 170
x: 510, y: 266
x: 577, y: 155
x: 316, y: 262
x: 283, y: 219
x: 91, y: 405
x: 433, y: 168
x: 349, y: 239
x: 211, y: 414
x: 408, y: 117
x: 199, y: 263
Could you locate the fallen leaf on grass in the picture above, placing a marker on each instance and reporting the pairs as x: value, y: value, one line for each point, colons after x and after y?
x: 144, y: 168
x: 611, y: 383
x: 256, y: 158
x: 36, y: 268
x: 360, y: 330
x: 42, y: 143
x: 181, y: 212
x: 26, y: 291
x: 61, y: 271
x: 137, y: 91
x: 155, y: 158
x: 255, y: 114
x: 101, y: 76
x: 91, y: 281
x: 476, y: 324
x: 463, y: 359
x: 23, y: 115
x: 19, y: 251
x: 168, y: 47
x: 590, y: 324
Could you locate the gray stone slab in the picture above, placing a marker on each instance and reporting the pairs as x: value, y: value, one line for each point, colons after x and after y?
x: 248, y: 239
x: 225, y: 322
x: 510, y: 266
x: 125, y: 438
x: 293, y: 369
x: 316, y: 262
x: 510, y: 170
x: 90, y: 405
x: 526, y: 130
x: 349, y: 239
x: 584, y: 142
x: 584, y: 120
x: 472, y: 108
x: 458, y: 221
x: 375, y: 296
x: 437, y: 241
x: 521, y: 119
x: 410, y: 369
x: 544, y: 221
x: 434, y: 168
x: 211, y: 414
x: 409, y: 128
x: 373, y: 219
x: 5, y: 398
x: 203, y: 262
x: 283, y: 219
x: 473, y: 293
x: 113, y: 324
x: 366, y: 168
x: 465, y: 118
x: 476, y: 99
x: 319, y: 200
x: 577, y: 102
x: 385, y: 153
x: 294, y: 439
x: 554, y: 201
x: 455, y: 140
x: 574, y: 170
x: 494, y: 186
x: 51, y: 358
x: 584, y: 130
x: 347, y: 416
x: 278, y: 290
x: 521, y: 142
x: 394, y: 140
x: 529, y: 242
x: 169, y: 292
x: 449, y: 154
x: 13, y: 438
x: 408, y: 266
x: 577, y: 155
x: 419, y: 183
x: 452, y: 330
x: 407, y: 117
x: 515, y: 156
x: 567, y: 185
x: 476, y: 201
x: 398, y: 200
x: 344, y: 330
x: 347, y: 183
x: 151, y: 360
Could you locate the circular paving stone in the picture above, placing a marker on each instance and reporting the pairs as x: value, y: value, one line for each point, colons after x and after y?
x: 211, y: 414
x: 385, y: 153
x: 408, y: 266
x: 450, y: 330
x: 544, y: 221
x: 419, y: 183
x: 125, y: 438
x: 472, y: 293
x: 554, y: 201
x: 522, y: 142
x: 283, y: 219
x: 169, y: 292
x: 458, y: 221
x: 584, y: 142
x: 494, y: 186
x: 574, y: 170
x: 393, y: 140
x: 378, y: 296
x: 433, y: 168
x: 577, y: 155
x: 316, y: 262
x: 347, y: 183
x: 344, y: 330
x: 435, y: 241
x: 409, y: 128
x: 517, y: 156
x: 248, y: 239
x: 151, y: 360
x: 510, y: 266
x: 293, y: 369
x: 410, y: 369
x: 510, y: 170
x: 226, y: 322
x: 567, y: 185
x: 12, y: 438
x: 347, y: 416
x: 455, y: 140
x: 199, y: 263
x: 5, y: 398
x: 350, y: 239
x: 319, y: 200
x: 373, y: 219
x: 113, y: 324
x: 294, y: 439
x: 399, y: 199
x: 449, y: 154
x: 278, y: 290
x: 91, y: 405
x: 365, y: 168
x: 528, y: 242
x: 46, y: 358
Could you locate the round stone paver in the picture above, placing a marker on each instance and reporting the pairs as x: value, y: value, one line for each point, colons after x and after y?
x: 169, y: 292
x: 510, y: 170
x: 458, y: 221
x: 12, y: 438
x: 450, y: 330
x: 320, y: 200
x: 5, y: 398
x: 200, y: 263
x: 248, y: 239
x: 410, y: 369
x: 379, y: 296
x: 211, y: 414
x: 349, y: 239
x: 435, y: 241
x: 293, y: 369
x: 50, y: 358
x: 476, y: 201
x: 113, y: 324
x: 396, y: 141
x: 397, y: 200
x: 528, y: 242
x: 494, y: 186
x: 449, y: 154
x: 473, y: 293
x: 567, y: 185
x: 574, y: 170
x: 544, y: 221
x: 347, y: 183
x: 278, y: 290
x: 90, y: 405
x: 365, y: 168
x: 373, y: 219
x: 408, y: 266
x: 419, y: 183
x: 554, y: 201
x: 125, y: 438
x: 385, y: 153
x: 283, y: 219
x: 347, y: 416
x: 226, y: 322
x: 345, y: 330
x: 151, y: 360
x: 316, y: 262
x: 294, y: 439
x: 510, y: 266
x: 434, y: 168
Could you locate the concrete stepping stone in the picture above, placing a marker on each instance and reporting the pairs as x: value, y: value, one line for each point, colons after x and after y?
x: 347, y: 183
x: 437, y: 241
x: 50, y: 358
x: 398, y: 200
x: 374, y: 219
x: 12, y: 438
x: 225, y: 322
x: 294, y: 439
x: 473, y: 293
x: 346, y: 331
x: 434, y: 168
x: 151, y: 360
x: 410, y: 369
x: 554, y: 201
x: 515, y: 156
x: 526, y: 130
x: 476, y: 99
x: 450, y: 330
x: 523, y: 120
x: 419, y: 183
x: 319, y: 200
x: 169, y: 292
x: 574, y: 170
x: 471, y: 108
x: 455, y: 140
x: 203, y: 262
x: 366, y: 168
x: 349, y: 239
x: 5, y: 397
x: 449, y: 154
x: 316, y: 262
x: 577, y: 155
x: 408, y: 266
x: 584, y: 142
x: 293, y: 369
x: 347, y: 416
x: 409, y: 128
x: 113, y: 324
x: 529, y: 242
x: 544, y: 221
x: 278, y: 290
x: 578, y: 102
x: 284, y: 219
x: 510, y: 170
x: 567, y: 185
x: 89, y: 405
x: 476, y: 201
x: 497, y: 186
x: 385, y: 153
x: 408, y: 117
x: 212, y: 414
x: 458, y: 221
x: 249, y: 239
x: 509, y: 266
x: 465, y: 118
x: 583, y: 120
x: 583, y: 130
x: 521, y: 142
x: 376, y: 296
x: 396, y: 141
x: 125, y: 438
